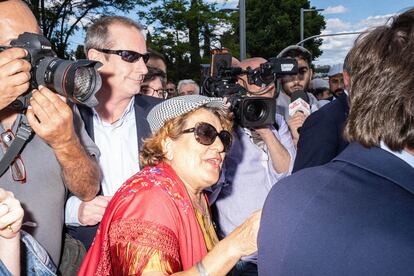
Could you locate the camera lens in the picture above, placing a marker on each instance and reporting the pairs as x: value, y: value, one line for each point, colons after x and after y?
x: 77, y: 80
x: 84, y: 82
x: 255, y: 111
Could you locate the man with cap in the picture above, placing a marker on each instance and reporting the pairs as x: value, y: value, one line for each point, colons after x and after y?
x: 295, y: 83
x: 336, y: 79
x: 320, y: 89
x: 321, y: 137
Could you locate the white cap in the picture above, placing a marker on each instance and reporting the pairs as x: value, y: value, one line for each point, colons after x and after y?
x: 336, y: 69
x: 319, y: 83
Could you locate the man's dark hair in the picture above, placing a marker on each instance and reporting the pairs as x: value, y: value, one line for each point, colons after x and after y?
x: 154, y: 73
x: 296, y: 51
x: 382, y: 85
x: 157, y: 55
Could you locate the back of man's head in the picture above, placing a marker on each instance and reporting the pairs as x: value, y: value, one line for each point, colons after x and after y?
x: 381, y: 85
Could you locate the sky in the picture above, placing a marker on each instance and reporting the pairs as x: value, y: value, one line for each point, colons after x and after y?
x: 347, y: 16
x: 341, y: 16
x: 352, y: 16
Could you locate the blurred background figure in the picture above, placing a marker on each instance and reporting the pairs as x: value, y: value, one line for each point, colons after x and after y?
x: 154, y: 83
x: 188, y: 87
x: 336, y: 79
x: 320, y: 89
x: 171, y: 89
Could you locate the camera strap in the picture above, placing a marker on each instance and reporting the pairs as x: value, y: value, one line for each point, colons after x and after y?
x: 24, y: 131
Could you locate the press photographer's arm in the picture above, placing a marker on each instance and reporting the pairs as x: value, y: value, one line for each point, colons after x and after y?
x: 52, y: 119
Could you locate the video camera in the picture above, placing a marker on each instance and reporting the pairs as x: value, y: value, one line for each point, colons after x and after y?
x: 221, y: 80
x: 77, y: 80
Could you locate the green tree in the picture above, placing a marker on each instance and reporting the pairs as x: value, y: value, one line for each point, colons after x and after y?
x: 184, y: 31
x: 59, y: 19
x: 273, y: 25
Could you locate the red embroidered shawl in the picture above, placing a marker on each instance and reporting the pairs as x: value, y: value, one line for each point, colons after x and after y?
x: 150, y: 213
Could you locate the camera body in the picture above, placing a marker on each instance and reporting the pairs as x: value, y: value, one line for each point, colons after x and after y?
x: 249, y: 112
x: 77, y: 80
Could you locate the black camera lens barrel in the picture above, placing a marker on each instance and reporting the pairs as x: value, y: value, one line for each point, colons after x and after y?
x: 77, y: 80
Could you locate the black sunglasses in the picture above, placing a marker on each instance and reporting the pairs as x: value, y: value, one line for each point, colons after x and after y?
x: 127, y: 55
x: 206, y: 134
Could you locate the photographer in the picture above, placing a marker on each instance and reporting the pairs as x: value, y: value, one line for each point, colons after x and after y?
x: 258, y: 159
x: 54, y: 158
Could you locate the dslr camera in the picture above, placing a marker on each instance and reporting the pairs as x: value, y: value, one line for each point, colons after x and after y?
x: 220, y: 79
x: 77, y: 80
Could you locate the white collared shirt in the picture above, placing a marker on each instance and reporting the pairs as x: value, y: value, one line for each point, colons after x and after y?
x: 119, y: 159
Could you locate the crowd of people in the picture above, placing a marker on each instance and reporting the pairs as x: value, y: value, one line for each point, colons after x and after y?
x: 157, y: 179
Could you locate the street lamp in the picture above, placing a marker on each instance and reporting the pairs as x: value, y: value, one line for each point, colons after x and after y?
x: 242, y: 27
x: 302, y: 10
x: 242, y: 8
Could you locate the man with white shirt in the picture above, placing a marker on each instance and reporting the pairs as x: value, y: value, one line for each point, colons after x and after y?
x: 354, y: 215
x: 292, y: 83
x: 118, y: 124
x: 257, y: 160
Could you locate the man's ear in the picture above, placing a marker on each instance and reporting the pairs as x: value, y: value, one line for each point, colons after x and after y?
x: 96, y: 55
x: 310, y: 73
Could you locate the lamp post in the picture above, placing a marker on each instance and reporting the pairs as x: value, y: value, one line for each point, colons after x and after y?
x: 241, y: 8
x: 302, y: 11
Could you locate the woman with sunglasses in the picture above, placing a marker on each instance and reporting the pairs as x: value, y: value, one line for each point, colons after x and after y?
x: 159, y: 222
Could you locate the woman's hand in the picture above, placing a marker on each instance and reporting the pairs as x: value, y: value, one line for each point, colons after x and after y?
x: 244, y: 237
x: 11, y: 215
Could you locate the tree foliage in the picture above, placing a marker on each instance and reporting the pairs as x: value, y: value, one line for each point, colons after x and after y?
x: 59, y: 19
x: 184, y: 31
x: 273, y: 25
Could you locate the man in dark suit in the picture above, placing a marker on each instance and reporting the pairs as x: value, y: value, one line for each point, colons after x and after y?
x: 118, y: 124
x: 321, y: 136
x: 354, y: 215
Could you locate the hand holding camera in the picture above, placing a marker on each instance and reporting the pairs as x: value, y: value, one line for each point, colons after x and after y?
x: 51, y: 118
x: 14, y: 75
x: 76, y: 80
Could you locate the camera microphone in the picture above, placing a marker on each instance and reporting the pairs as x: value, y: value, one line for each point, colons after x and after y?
x: 299, y: 103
